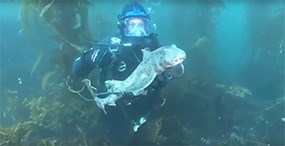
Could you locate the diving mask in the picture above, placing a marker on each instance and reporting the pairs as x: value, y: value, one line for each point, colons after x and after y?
x: 136, y: 27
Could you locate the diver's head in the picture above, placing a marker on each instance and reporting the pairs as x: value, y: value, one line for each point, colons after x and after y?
x: 134, y: 21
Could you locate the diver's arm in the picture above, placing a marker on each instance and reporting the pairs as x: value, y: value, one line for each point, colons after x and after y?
x: 161, y: 80
x: 83, y: 65
x: 153, y: 42
x: 175, y: 72
x: 81, y: 68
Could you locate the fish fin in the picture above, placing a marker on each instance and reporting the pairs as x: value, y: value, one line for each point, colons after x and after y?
x: 112, y: 103
x: 146, y: 53
x: 112, y: 84
x: 100, y: 103
x: 139, y: 92
x: 173, y: 46
x: 144, y: 92
x: 111, y: 99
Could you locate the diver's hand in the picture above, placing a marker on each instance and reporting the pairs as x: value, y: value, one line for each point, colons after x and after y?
x: 176, y: 71
x: 161, y: 80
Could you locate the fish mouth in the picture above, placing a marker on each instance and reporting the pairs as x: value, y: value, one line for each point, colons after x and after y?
x: 180, y: 60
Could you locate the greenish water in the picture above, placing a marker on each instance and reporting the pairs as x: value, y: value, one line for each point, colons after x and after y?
x: 232, y: 91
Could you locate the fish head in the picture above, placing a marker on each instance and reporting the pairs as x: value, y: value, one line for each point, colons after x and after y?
x: 171, y: 56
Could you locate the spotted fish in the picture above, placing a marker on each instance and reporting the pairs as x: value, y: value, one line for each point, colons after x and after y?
x: 153, y: 63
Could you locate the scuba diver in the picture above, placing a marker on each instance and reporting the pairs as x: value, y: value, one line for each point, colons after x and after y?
x: 117, y: 57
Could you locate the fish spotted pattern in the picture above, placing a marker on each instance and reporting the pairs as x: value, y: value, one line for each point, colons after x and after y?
x: 153, y: 63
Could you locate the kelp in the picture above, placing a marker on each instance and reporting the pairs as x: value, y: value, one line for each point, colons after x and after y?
x: 51, y: 120
x: 16, y: 134
x: 28, y: 15
x: 46, y: 80
x: 16, y: 110
x: 37, y: 62
x: 44, y: 10
x: 65, y: 119
x: 278, y: 101
x: 61, y: 16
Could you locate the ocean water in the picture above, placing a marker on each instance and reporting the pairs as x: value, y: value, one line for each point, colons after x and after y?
x: 231, y: 93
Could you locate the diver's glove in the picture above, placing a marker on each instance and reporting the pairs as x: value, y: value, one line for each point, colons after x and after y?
x: 128, y: 98
x: 174, y: 72
x: 161, y: 80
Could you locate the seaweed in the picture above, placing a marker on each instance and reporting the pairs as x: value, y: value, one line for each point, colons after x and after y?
x: 54, y: 112
x: 69, y: 22
x: 52, y: 119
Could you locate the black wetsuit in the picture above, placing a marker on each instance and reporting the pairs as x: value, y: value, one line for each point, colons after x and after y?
x: 118, y: 61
